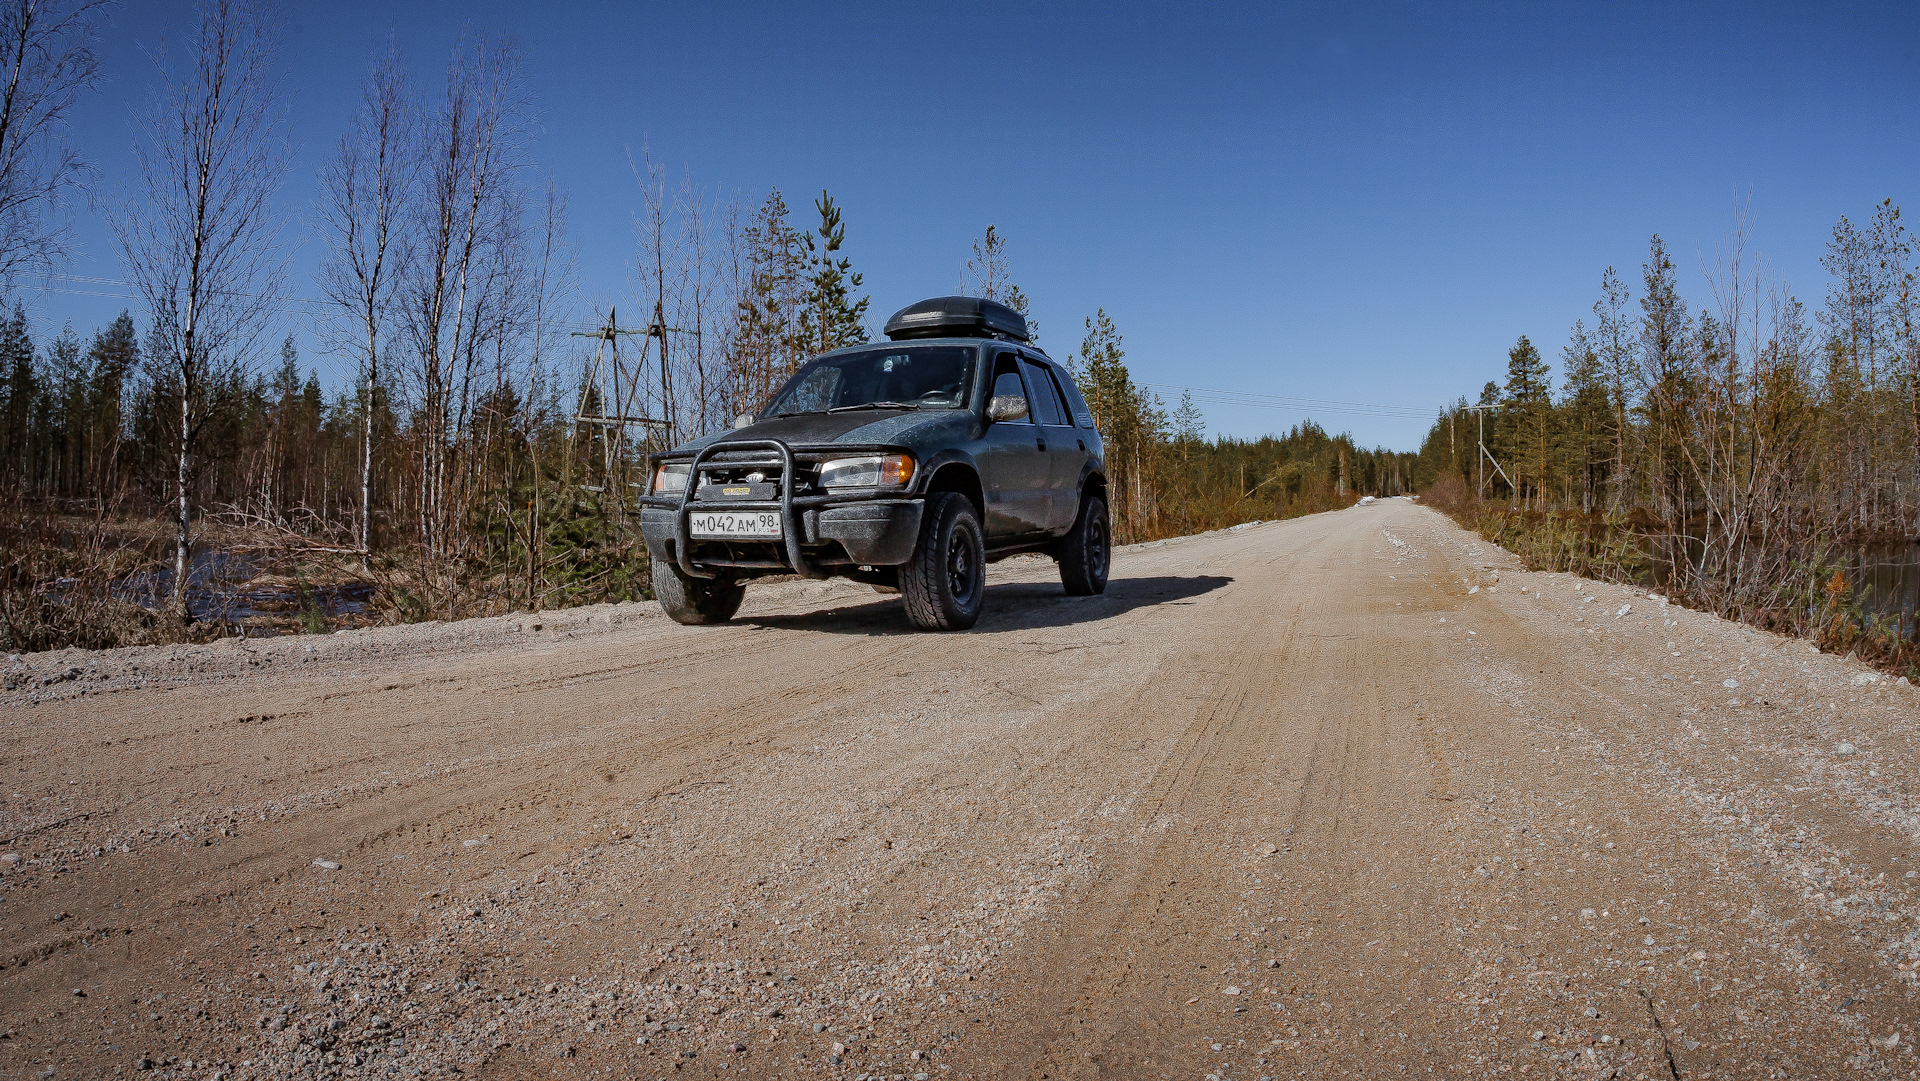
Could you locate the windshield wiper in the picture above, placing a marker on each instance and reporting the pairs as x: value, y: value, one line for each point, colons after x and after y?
x: 871, y: 405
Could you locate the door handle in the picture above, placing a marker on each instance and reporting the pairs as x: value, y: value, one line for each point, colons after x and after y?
x: 1039, y: 444
x: 1082, y: 442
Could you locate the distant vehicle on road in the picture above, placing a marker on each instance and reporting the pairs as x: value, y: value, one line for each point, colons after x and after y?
x: 908, y: 465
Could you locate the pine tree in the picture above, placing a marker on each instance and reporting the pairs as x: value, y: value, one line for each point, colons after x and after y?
x: 1667, y: 378
x: 1527, y: 416
x: 286, y: 380
x: 767, y: 345
x: 1848, y: 315
x: 1888, y: 246
x: 1585, y: 409
x: 987, y: 270
x: 989, y: 276
x: 22, y: 389
x: 66, y: 415
x: 1616, y: 343
x: 115, y: 353
x: 1866, y: 265
x: 1130, y: 421
x: 1527, y: 373
x: 1906, y: 329
x: 1101, y: 371
x: 1188, y: 426
x: 1017, y: 300
x: 829, y: 316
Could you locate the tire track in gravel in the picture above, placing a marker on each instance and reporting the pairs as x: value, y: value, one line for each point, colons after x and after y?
x: 1088, y: 1004
x: 357, y: 820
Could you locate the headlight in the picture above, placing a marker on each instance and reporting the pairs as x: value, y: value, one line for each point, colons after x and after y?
x: 875, y: 471
x: 669, y: 477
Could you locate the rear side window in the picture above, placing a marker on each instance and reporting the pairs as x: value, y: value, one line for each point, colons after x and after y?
x: 1076, y: 405
x: 1047, y: 406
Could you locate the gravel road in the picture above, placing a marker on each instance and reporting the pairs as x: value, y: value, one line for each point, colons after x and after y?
x: 1348, y: 795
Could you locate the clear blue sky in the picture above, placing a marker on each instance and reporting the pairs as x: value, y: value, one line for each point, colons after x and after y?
x: 1347, y: 202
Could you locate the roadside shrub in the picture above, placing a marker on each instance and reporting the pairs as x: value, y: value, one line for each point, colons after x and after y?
x: 64, y: 582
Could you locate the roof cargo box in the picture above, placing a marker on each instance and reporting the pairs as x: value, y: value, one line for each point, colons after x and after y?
x: 957, y: 317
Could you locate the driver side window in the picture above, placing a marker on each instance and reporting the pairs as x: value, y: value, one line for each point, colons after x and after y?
x: 1006, y: 382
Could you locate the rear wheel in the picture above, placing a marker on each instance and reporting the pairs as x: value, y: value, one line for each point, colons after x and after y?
x: 1087, y: 549
x: 695, y: 601
x: 946, y: 580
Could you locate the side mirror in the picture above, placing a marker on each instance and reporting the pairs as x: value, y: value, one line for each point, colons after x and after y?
x: 1006, y: 407
x: 744, y: 420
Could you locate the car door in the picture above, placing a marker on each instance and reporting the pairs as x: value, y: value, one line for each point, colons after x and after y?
x: 1015, y: 472
x: 1066, y: 451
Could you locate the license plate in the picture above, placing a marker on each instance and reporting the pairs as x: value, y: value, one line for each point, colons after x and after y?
x: 734, y: 524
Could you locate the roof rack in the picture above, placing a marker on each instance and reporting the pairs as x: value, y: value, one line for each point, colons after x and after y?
x: 957, y: 317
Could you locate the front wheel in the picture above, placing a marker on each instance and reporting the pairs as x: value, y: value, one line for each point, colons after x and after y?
x: 1087, y: 549
x: 695, y: 601
x: 946, y: 580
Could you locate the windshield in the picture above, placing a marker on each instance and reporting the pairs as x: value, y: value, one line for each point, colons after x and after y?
x: 904, y: 376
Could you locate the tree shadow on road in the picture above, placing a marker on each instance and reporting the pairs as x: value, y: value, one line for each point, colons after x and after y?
x: 1011, y: 606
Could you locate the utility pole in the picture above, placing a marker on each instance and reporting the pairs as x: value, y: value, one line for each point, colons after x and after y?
x: 616, y: 403
x: 659, y: 330
x: 1486, y: 456
x: 611, y: 416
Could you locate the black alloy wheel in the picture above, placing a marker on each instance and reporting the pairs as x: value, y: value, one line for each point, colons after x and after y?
x: 1086, y: 552
x: 962, y: 576
x: 944, y: 583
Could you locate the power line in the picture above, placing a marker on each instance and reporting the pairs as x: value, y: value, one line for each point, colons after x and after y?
x: 1291, y: 403
x: 316, y: 307
x: 312, y: 309
x: 82, y: 279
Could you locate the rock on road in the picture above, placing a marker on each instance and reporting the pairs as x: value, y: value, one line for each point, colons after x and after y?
x: 1348, y: 795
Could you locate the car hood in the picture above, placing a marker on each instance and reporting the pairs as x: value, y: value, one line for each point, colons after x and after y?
x: 898, y: 427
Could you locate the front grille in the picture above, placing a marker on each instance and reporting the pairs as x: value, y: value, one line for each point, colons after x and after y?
x: 735, y: 474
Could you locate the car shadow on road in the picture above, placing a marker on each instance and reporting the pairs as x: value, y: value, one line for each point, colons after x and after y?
x: 1011, y: 606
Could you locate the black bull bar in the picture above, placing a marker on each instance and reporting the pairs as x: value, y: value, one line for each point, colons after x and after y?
x: 791, y: 529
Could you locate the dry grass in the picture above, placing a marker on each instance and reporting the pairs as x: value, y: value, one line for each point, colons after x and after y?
x: 90, y: 581
x: 61, y: 582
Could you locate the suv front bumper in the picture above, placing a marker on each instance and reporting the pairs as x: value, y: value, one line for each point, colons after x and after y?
x: 871, y: 533
x: 820, y: 534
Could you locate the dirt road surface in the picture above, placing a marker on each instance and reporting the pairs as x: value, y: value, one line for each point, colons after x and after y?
x: 1349, y: 795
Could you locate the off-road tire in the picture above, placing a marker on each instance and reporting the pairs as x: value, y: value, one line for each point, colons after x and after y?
x: 695, y: 601
x: 945, y: 582
x: 1086, y: 552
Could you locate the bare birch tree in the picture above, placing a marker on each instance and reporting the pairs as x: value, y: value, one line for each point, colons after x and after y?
x: 47, y: 47
x: 660, y: 273
x: 1907, y: 335
x: 365, y: 189
x: 200, y: 249
x: 471, y: 148
x: 702, y: 305
x: 553, y: 283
